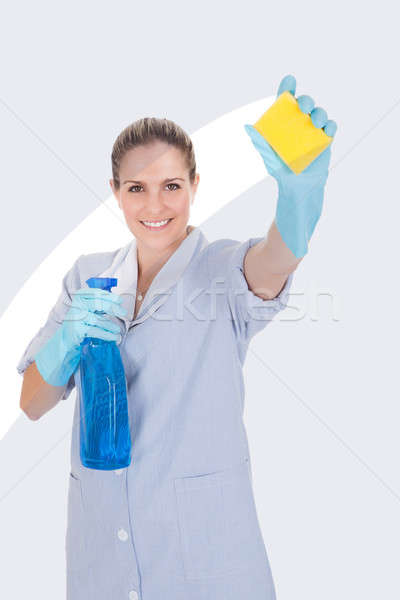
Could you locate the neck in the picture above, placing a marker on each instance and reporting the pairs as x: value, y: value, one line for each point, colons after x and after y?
x: 150, y: 261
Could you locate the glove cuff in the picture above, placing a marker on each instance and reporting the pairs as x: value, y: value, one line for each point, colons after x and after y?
x: 296, y: 218
x: 55, y: 362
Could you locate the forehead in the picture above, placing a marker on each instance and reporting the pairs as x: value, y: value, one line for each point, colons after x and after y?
x: 153, y: 160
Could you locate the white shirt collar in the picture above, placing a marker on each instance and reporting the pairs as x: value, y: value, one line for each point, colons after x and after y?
x: 124, y: 268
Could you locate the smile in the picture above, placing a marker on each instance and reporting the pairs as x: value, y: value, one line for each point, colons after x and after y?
x: 153, y: 225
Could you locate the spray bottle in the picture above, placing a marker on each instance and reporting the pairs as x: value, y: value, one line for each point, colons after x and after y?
x: 105, y: 441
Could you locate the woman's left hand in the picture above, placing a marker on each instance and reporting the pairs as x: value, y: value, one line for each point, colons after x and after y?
x: 300, y: 196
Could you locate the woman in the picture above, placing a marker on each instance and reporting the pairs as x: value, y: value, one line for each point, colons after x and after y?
x: 180, y: 522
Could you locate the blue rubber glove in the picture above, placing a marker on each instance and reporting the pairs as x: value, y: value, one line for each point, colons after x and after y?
x: 60, y: 356
x: 300, y: 196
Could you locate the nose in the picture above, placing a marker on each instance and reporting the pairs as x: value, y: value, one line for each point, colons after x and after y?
x: 154, y: 202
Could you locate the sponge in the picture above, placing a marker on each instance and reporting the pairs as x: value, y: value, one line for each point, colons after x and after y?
x: 291, y: 133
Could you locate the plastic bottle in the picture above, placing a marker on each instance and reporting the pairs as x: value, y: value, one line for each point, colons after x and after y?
x: 105, y: 441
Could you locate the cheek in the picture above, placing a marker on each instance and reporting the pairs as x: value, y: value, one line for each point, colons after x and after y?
x: 180, y: 205
x: 130, y: 207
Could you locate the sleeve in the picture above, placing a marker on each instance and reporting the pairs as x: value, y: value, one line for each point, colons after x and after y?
x: 250, y: 314
x: 70, y: 282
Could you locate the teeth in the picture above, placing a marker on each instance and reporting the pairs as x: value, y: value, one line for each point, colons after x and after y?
x: 155, y: 223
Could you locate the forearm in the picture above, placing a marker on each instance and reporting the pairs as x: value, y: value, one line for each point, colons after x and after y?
x: 268, y: 264
x: 38, y: 396
x: 276, y: 257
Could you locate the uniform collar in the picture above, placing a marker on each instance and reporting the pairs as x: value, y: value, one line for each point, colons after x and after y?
x: 124, y: 267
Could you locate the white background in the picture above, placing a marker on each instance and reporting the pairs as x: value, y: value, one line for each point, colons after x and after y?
x: 322, y: 404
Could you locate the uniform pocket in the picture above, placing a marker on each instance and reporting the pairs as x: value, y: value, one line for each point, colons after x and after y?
x: 218, y: 523
x: 76, y: 555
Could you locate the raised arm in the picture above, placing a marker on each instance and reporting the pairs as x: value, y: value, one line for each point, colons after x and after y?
x: 268, y: 264
x: 300, y: 198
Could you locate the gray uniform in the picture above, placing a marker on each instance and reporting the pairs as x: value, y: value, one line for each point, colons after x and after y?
x: 180, y: 522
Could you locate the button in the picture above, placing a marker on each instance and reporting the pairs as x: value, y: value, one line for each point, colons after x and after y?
x: 122, y: 534
x: 133, y: 595
x: 118, y: 471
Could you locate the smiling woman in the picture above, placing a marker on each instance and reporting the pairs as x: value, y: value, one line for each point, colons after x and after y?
x: 181, y: 519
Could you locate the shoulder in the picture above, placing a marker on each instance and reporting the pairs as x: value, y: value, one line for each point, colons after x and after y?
x: 220, y: 249
x: 224, y: 254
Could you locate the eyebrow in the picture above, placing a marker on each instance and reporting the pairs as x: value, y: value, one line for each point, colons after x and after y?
x: 165, y: 180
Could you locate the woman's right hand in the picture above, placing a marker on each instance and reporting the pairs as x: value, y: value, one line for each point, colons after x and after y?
x: 59, y: 357
x: 82, y: 321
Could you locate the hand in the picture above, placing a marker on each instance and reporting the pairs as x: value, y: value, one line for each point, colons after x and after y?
x: 60, y: 356
x: 84, y: 318
x: 300, y: 196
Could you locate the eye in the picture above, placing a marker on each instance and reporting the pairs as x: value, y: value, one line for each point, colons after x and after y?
x: 175, y: 184
x: 139, y: 186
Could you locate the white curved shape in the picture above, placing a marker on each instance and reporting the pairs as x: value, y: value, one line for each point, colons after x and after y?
x: 228, y: 165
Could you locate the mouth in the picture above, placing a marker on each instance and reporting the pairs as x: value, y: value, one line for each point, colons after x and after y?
x: 156, y: 225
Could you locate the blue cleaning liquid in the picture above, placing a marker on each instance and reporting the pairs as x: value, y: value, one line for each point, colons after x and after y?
x: 105, y: 441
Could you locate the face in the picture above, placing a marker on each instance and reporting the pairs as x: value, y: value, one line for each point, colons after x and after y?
x: 154, y: 188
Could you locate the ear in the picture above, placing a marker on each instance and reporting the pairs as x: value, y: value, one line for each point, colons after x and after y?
x: 195, y: 186
x: 116, y: 195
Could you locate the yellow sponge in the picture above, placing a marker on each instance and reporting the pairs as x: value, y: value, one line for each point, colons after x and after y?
x: 291, y: 133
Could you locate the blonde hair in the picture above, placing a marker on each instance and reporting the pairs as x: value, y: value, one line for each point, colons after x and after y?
x: 147, y: 130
